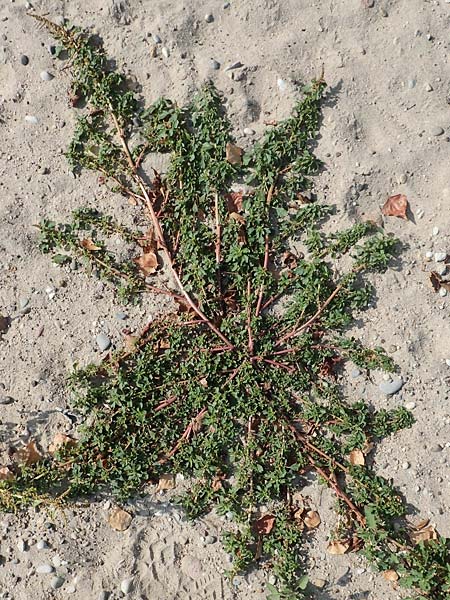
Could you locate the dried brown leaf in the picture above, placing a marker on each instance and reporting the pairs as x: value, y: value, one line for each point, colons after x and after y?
x: 166, y: 482
x: 356, y: 457
x: 60, y: 440
x: 28, y: 455
x: 148, y: 261
x: 424, y: 535
x: 338, y: 547
x: 264, y: 524
x: 437, y: 282
x: 312, y: 519
x: 233, y: 154
x: 88, y: 244
x: 237, y: 217
x: 6, y: 474
x: 396, y: 206
x: 391, y: 575
x: 119, y: 519
x: 234, y: 201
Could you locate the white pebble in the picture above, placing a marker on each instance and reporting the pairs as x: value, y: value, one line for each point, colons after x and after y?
x: 165, y: 52
x: 46, y: 76
x: 429, y: 254
x: 282, y: 85
x: 405, y: 466
x: 126, y: 585
x: 442, y: 292
x: 435, y: 230
x: 447, y: 362
x: 410, y: 405
x: 428, y: 88
x: 31, y: 119
x: 249, y: 131
x: 440, y: 256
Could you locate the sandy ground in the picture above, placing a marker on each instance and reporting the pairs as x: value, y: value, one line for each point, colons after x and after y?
x: 385, y: 131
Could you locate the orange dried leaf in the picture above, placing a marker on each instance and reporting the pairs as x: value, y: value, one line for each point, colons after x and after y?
x: 88, y: 244
x: 390, y: 575
x: 148, y: 262
x: 338, y: 547
x: 6, y: 474
x: 265, y: 524
x: 396, y: 206
x: 28, y: 455
x: 166, y: 482
x: 60, y: 440
x: 233, y: 154
x: 119, y: 519
x: 356, y: 457
x: 312, y: 519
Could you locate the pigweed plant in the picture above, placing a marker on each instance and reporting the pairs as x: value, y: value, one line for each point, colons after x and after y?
x: 237, y: 387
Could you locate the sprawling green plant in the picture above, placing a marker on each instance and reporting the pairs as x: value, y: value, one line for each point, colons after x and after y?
x: 237, y: 387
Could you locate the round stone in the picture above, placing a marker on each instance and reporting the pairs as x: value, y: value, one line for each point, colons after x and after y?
x: 215, y: 65
x: 56, y: 582
x: 24, y: 60
x: 46, y: 76
x: 209, y: 18
x: 249, y: 131
x: 436, y: 131
x: 391, y: 387
x: 126, y: 585
x: 45, y: 569
x: 103, y: 341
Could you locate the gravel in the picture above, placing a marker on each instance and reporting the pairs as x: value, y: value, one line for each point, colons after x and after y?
x: 103, y: 342
x: 436, y: 131
x: 126, y: 585
x: 46, y: 76
x: 391, y: 387
x: 45, y: 569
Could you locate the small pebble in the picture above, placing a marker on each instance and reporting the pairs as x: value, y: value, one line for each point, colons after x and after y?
x: 31, y: 119
x: 402, y: 178
x: 249, y: 131
x: 391, y: 387
x: 209, y: 18
x: 103, y: 595
x: 436, y: 448
x: 21, y: 545
x: 23, y: 302
x: 442, y: 292
x: 435, y: 230
x: 405, y: 466
x: 429, y: 254
x: 157, y: 40
x: 410, y: 405
x: 126, y: 585
x: 70, y: 589
x: 355, y: 373
x: 56, y: 582
x: 41, y: 545
x: 103, y: 341
x: 6, y: 400
x: 215, y: 65
x: 440, y: 256
x: 447, y: 362
x: 441, y: 269
x: 235, y: 65
x: 428, y: 88
x: 121, y: 316
x: 210, y: 539
x: 411, y: 83
x: 46, y: 76
x: 165, y: 52
x: 45, y: 569
x: 24, y: 59
x: 282, y: 85
x: 436, y: 131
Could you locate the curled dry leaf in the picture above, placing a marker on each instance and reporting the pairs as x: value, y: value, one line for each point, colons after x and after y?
x: 148, y: 261
x: 312, y: 519
x: 28, y: 455
x: 60, y: 440
x: 264, y: 525
x: 425, y: 534
x: 233, y: 154
x: 390, y: 575
x: 437, y: 282
x: 166, y: 482
x: 6, y: 474
x: 396, y: 206
x: 338, y: 547
x: 88, y: 244
x: 356, y: 457
x: 119, y: 519
x: 234, y: 201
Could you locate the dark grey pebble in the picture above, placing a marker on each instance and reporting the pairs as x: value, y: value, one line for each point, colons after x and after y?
x: 215, y: 65
x: 6, y: 400
x: 209, y: 18
x: 104, y: 595
x: 156, y: 38
x: 103, y: 341
x: 56, y: 582
x: 24, y: 59
x: 436, y: 448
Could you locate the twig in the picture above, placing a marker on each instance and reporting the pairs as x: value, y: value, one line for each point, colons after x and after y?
x: 193, y: 426
x: 218, y: 246
x: 249, y: 320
